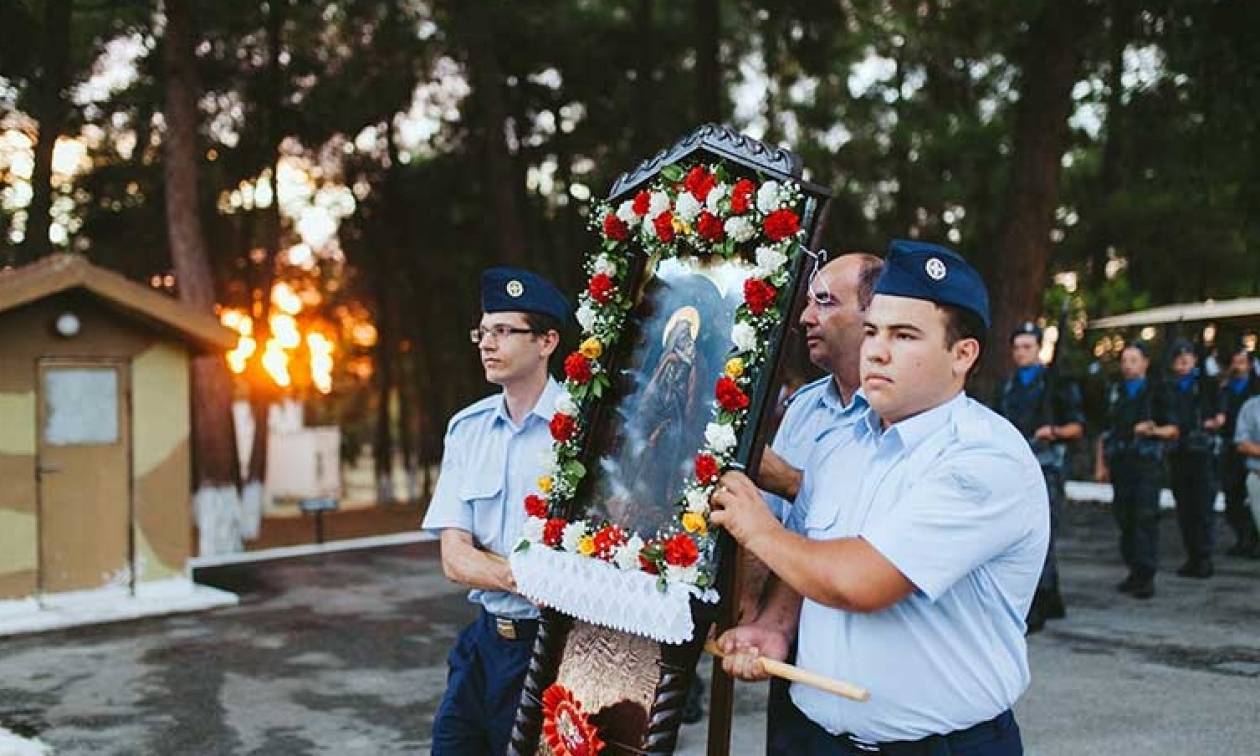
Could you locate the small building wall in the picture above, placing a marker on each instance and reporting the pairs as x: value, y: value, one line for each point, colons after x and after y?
x: 160, y: 431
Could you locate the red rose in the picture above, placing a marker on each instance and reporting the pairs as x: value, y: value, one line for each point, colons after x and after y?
x: 615, y: 228
x: 577, y: 368
x: 781, y: 224
x: 607, y: 539
x: 729, y: 395
x: 699, y: 182
x: 741, y: 195
x: 758, y: 295
x: 563, y: 427
x: 706, y: 468
x: 709, y: 226
x: 641, y: 202
x: 553, y: 531
x: 601, y: 288
x: 664, y: 225
x: 535, y: 506
x: 681, y: 551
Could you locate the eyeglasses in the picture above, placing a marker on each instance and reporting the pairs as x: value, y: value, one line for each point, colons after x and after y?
x: 819, y: 296
x: 499, y: 332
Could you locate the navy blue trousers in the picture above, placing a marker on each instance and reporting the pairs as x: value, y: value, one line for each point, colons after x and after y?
x: 997, y: 737
x: 1136, y: 483
x: 483, y: 689
x: 1192, y: 486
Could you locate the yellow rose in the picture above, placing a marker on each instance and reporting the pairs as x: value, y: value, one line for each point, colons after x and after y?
x: 586, y: 545
x: 545, y: 483
x: 693, y: 522
x: 591, y: 349
x: 734, y: 368
x: 680, y: 226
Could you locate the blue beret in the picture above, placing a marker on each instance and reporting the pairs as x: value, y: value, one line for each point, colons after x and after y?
x: 518, y: 290
x: 1027, y: 328
x: 929, y: 271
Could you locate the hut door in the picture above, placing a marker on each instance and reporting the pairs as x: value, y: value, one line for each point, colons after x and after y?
x: 83, y: 476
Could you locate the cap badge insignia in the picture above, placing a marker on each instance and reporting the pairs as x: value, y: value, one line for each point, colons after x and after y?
x: 515, y: 288
x: 935, y: 268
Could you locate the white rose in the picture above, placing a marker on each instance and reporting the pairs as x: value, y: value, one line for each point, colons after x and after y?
x: 532, y: 529
x: 739, y: 228
x: 720, y: 437
x: 625, y: 211
x: 698, y: 500
x: 744, y: 336
x: 687, y: 575
x: 716, y: 195
x: 687, y: 207
x: 627, y: 555
x: 769, y: 260
x: 586, y: 317
x: 657, y: 204
x: 603, y: 265
x: 573, y: 533
x: 565, y: 404
x: 768, y: 197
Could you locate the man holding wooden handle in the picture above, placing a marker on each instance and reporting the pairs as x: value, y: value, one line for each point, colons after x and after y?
x: 916, y: 541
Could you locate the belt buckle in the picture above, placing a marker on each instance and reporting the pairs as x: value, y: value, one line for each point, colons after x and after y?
x: 505, y: 627
x: 864, y: 746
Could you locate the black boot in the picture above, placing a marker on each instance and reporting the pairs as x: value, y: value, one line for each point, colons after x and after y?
x: 1200, y: 569
x: 1128, y: 584
x: 1143, y: 587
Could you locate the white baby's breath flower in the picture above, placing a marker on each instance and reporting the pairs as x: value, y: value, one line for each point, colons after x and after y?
x: 720, y: 437
x: 573, y: 533
x: 627, y: 555
x: 768, y: 197
x: 744, y: 336
x: 625, y: 211
x: 687, y: 207
x: 739, y: 228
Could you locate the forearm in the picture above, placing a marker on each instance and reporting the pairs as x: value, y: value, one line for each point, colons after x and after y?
x: 1249, y: 448
x: 780, y: 608
x: 464, y: 563
x: 822, y: 571
x: 1068, y: 432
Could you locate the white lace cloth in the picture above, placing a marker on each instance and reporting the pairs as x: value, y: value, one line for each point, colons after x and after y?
x: 597, y: 592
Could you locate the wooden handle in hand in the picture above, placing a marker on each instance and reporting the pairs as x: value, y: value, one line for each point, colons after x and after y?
x: 803, y: 676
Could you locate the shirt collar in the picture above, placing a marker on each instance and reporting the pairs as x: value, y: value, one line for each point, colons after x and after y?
x: 913, y: 430
x: 831, y: 399
x: 544, y: 408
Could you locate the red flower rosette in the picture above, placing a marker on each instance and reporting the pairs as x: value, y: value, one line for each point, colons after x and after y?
x: 699, y: 182
x: 709, y: 226
x: 706, y: 468
x: 758, y: 295
x: 535, y: 506
x: 681, y: 550
x: 601, y: 288
x: 563, y: 427
x: 577, y: 368
x: 664, y: 225
x: 615, y: 228
x: 729, y: 395
x: 567, y: 729
x: 781, y: 224
x: 607, y: 539
x: 642, y: 201
x: 553, y: 531
x: 742, y: 196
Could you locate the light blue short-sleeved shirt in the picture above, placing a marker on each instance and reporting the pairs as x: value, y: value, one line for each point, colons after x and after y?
x: 814, y: 412
x: 1248, y: 429
x: 947, y: 497
x: 489, y: 466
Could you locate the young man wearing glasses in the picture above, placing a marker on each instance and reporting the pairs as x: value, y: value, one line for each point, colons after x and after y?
x: 492, y: 459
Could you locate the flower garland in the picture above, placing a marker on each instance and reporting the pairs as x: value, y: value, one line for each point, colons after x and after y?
x: 697, y: 211
x: 567, y: 730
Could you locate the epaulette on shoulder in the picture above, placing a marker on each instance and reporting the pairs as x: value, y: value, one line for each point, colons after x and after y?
x: 479, y: 407
x: 808, y: 387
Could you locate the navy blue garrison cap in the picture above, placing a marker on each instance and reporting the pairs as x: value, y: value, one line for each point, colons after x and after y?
x: 1027, y: 328
x: 518, y: 290
x: 929, y: 271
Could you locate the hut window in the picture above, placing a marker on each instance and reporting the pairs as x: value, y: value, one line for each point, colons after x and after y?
x: 81, y: 406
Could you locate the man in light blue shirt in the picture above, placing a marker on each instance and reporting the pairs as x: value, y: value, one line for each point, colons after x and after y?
x: 839, y: 293
x: 1247, y: 443
x: 492, y: 459
x: 915, y: 544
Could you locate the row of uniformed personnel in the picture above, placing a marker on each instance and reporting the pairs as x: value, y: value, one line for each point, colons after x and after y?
x: 904, y: 545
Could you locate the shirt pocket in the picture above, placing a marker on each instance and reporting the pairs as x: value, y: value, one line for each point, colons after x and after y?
x: 483, y: 494
x: 822, y: 516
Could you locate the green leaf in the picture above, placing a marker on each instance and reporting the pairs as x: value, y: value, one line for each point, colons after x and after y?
x: 662, y: 584
x: 574, y: 469
x: 522, y: 546
x: 672, y: 172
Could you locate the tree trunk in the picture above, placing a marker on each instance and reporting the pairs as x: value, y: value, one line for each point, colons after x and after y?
x: 1100, y: 237
x: 214, y: 447
x: 708, y: 63
x: 1022, y: 266
x: 51, y: 114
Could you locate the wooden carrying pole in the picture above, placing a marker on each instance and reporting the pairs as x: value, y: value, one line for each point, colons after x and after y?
x: 803, y: 676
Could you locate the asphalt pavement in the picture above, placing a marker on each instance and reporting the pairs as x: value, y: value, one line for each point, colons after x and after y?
x: 345, y: 654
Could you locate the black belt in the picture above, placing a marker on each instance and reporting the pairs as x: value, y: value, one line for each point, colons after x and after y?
x: 960, y: 739
x: 510, y: 629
